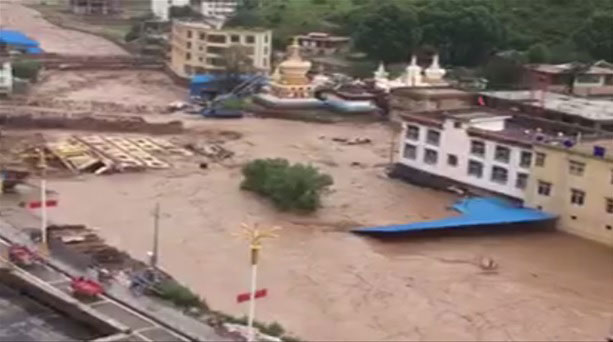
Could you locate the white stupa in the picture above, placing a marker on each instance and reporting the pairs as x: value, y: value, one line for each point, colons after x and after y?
x: 434, y: 73
x: 413, y: 76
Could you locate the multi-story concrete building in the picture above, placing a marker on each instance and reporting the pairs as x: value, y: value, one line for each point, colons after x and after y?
x: 217, y: 8
x: 198, y: 48
x: 595, y: 80
x: 161, y: 8
x: 209, y: 8
x: 576, y: 183
x: 319, y: 43
x: 476, y: 149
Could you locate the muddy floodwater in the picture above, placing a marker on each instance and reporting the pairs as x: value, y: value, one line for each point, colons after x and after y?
x: 326, y: 283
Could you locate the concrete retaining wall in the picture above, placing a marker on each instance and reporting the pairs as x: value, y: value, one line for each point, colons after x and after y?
x: 89, y: 123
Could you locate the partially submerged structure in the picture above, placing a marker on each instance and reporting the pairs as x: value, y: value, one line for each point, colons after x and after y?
x: 493, y: 214
x: 576, y: 183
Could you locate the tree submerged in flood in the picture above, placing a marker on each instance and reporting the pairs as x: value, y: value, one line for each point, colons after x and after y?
x: 290, y: 187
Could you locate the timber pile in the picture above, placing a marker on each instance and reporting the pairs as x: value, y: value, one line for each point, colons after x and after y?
x: 81, y: 240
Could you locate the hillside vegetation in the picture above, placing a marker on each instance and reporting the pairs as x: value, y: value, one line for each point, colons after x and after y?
x: 465, y: 32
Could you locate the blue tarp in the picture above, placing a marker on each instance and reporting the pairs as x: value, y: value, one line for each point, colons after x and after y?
x: 20, y: 40
x: 11, y: 37
x: 480, y: 211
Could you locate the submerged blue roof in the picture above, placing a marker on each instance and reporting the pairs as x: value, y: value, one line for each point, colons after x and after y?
x: 11, y: 37
x: 478, y: 211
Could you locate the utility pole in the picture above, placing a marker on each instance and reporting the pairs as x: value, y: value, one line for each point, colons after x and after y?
x: 254, y: 236
x: 156, y: 229
x: 43, y: 195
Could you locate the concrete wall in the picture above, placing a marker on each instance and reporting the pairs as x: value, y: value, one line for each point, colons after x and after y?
x: 589, y: 220
x: 6, y: 78
x: 457, y: 142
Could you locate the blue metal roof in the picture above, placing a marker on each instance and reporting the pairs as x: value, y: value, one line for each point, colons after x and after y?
x: 203, y: 78
x: 480, y: 211
x: 11, y: 37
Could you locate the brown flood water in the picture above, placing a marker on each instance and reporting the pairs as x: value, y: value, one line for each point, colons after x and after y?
x: 327, y: 284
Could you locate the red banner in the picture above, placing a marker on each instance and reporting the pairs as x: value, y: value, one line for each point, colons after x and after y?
x: 39, y: 204
x: 244, y: 297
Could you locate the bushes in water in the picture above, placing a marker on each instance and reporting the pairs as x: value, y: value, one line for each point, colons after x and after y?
x: 290, y: 187
x: 26, y: 69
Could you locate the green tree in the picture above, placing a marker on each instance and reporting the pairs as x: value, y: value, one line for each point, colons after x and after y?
x: 597, y: 36
x: 538, y: 53
x: 504, y: 72
x: 290, y: 187
x: 388, y: 32
x: 465, y: 35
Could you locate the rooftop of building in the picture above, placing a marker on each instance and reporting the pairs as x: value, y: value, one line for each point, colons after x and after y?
x: 518, y: 129
x: 588, y: 108
x: 324, y: 37
x: 199, y: 24
x: 566, y: 67
x: 431, y: 92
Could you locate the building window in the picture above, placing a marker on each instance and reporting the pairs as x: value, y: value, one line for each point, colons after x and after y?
x: 475, y: 168
x: 188, y: 56
x: 235, y: 38
x: 452, y: 160
x: 189, y: 34
x: 202, y: 36
x: 433, y: 137
x: 188, y: 69
x: 499, y: 175
x: 544, y: 188
x: 522, y: 181
x: 216, y: 50
x: 609, y: 205
x: 540, y: 159
x: 502, y: 154
x: 216, y: 38
x: 577, y: 196
x: 250, y: 39
x: 189, y: 45
x: 430, y: 157
x: 412, y: 132
x: 265, y: 50
x: 457, y: 124
x: 477, y: 148
x: 410, y: 151
x: 266, y: 39
x: 576, y: 168
x: 525, y: 159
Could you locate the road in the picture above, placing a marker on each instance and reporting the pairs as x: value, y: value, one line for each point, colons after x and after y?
x: 143, y: 328
x: 53, y: 39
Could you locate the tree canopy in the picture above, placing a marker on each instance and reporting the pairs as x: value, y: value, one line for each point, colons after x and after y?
x: 466, y: 33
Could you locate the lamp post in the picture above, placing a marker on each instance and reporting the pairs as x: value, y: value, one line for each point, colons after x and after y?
x: 254, y: 235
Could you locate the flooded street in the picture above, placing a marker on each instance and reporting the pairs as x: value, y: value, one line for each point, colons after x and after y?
x: 326, y: 283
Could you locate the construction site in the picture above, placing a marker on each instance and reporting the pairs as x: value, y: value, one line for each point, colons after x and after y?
x: 114, y: 151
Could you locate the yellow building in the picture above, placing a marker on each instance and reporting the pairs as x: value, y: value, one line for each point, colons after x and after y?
x: 575, y: 183
x: 199, y: 48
